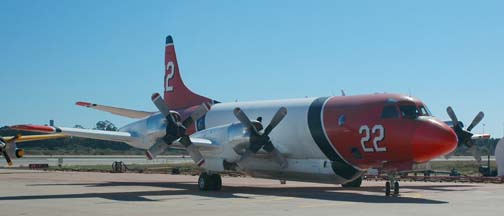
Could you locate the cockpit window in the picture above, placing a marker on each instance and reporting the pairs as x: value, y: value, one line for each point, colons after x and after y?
x: 424, y: 111
x: 390, y: 112
x: 409, y: 111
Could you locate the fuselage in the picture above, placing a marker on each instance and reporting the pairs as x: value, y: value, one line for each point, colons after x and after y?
x: 327, y: 139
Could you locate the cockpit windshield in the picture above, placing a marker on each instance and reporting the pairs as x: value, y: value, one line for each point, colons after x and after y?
x: 409, y: 111
x: 424, y: 111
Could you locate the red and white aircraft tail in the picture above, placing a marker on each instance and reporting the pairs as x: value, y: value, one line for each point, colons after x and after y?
x: 176, y: 95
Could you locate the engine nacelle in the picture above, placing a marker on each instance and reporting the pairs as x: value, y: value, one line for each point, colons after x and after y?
x: 19, y: 152
x: 234, y: 139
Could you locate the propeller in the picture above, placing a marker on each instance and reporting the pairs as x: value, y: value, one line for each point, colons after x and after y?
x: 464, y: 135
x: 176, y: 130
x: 6, y: 147
x: 260, y: 139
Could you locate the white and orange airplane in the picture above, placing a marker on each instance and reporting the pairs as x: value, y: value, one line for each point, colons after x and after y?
x: 324, y: 139
x: 9, y: 149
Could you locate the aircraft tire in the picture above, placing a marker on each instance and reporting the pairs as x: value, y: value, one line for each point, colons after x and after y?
x: 396, y: 188
x: 208, y: 182
x: 387, y: 189
x: 216, y: 181
x: 204, y: 182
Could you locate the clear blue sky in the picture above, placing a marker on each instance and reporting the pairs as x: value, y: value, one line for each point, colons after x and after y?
x: 54, y: 53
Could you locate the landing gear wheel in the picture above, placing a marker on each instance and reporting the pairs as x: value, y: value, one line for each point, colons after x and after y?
x: 353, y: 184
x: 203, y: 182
x: 396, y: 188
x: 216, y: 182
x: 387, y: 189
x: 209, y: 182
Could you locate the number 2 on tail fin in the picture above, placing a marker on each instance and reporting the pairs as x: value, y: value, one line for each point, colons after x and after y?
x: 170, y: 72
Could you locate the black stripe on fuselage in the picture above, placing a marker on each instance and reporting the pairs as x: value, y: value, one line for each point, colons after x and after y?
x: 339, y: 166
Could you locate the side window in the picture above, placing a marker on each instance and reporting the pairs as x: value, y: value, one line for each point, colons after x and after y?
x: 390, y: 112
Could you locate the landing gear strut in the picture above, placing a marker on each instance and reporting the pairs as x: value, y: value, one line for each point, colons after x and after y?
x: 209, y: 182
x: 392, y: 184
x: 353, y: 184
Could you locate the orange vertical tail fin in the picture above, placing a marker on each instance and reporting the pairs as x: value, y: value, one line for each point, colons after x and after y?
x: 176, y: 94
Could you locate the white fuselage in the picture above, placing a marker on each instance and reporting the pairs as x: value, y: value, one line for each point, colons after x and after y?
x: 292, y: 137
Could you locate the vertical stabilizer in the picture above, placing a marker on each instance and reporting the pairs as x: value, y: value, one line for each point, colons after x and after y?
x: 176, y: 94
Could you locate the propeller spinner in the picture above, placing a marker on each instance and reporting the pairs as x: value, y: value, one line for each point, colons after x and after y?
x: 260, y: 139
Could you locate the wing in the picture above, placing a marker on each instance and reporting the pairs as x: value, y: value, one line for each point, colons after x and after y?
x: 77, y: 132
x: 116, y: 110
x: 27, y: 138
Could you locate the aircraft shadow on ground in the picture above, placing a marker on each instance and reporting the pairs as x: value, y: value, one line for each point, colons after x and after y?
x: 245, y: 192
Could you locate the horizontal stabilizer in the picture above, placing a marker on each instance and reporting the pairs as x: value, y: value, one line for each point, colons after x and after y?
x: 116, y: 110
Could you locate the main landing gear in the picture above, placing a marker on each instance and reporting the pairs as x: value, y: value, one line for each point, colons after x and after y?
x: 392, y: 185
x: 209, y: 182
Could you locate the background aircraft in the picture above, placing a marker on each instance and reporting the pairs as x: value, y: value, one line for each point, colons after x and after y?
x: 9, y: 149
x: 325, y: 139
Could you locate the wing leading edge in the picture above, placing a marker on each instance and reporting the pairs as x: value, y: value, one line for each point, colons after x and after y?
x: 116, y: 110
x: 118, y: 136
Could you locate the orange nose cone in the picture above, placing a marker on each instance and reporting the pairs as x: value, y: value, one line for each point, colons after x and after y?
x: 432, y: 139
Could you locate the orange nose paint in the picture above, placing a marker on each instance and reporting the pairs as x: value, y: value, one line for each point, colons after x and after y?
x: 431, y: 140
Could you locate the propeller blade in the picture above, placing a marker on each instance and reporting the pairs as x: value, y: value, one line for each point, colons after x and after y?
x: 246, y: 155
x: 476, y: 121
x: 186, y: 141
x: 243, y: 118
x: 195, y: 155
x: 192, y: 150
x: 155, y: 150
x: 10, y: 145
x: 163, y: 108
x: 475, y: 153
x: 196, y: 114
x: 279, y: 115
x: 452, y: 115
x: 7, y: 157
x: 279, y: 158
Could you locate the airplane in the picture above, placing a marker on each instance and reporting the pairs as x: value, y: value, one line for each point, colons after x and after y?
x: 8, y: 147
x: 322, y: 139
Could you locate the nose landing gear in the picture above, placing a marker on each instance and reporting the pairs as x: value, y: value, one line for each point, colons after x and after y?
x: 392, y: 185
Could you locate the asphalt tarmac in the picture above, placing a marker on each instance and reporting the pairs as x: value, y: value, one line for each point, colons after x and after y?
x: 26, y: 192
